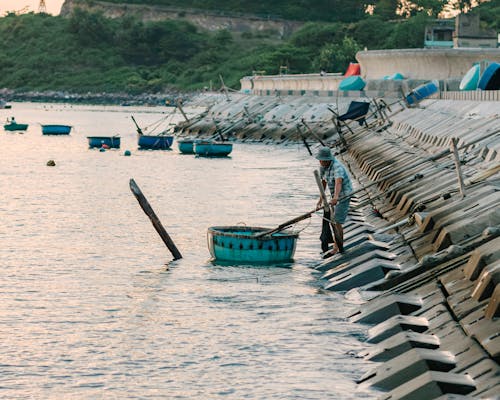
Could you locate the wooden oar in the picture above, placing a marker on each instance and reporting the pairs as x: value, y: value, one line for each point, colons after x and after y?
x: 154, y: 219
x: 286, y: 224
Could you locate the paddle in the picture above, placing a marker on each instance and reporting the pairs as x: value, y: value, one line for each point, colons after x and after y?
x: 139, y: 130
x: 286, y: 224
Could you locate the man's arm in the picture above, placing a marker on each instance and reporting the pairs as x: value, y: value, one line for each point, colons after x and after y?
x: 338, y: 188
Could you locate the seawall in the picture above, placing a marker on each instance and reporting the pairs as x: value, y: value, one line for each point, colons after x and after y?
x: 422, y: 250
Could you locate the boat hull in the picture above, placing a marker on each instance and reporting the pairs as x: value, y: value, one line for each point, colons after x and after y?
x: 112, y: 142
x: 186, y: 146
x: 470, y: 79
x: 148, y: 142
x: 238, y: 244
x: 422, y: 92
x: 490, y: 80
x: 56, y: 129
x: 354, y: 82
x: 212, y: 149
x: 15, y: 127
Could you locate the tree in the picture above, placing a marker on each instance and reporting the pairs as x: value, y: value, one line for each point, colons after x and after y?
x: 336, y: 57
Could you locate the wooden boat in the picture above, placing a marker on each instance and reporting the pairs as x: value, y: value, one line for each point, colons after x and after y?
x: 206, y: 148
x: 113, y: 142
x: 154, y: 142
x: 56, y: 129
x: 490, y: 80
x: 470, y: 79
x: 14, y: 126
x: 239, y: 244
x: 354, y: 82
x: 421, y: 92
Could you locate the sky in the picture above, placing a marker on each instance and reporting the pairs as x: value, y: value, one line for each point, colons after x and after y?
x: 53, y: 6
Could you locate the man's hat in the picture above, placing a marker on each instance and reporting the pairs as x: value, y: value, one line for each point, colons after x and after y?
x: 325, y: 154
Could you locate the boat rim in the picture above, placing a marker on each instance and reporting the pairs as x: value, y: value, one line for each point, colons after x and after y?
x: 252, y: 229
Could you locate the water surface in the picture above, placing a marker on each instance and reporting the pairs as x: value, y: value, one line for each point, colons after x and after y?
x: 91, y: 305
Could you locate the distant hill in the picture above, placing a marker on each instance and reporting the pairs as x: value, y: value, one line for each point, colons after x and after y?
x: 295, y: 10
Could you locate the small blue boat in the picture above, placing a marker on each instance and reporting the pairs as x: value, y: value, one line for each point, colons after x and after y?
x: 56, y: 129
x: 212, y: 149
x: 470, y: 79
x: 490, y: 80
x: 112, y: 142
x: 154, y: 142
x: 239, y: 244
x: 186, y: 146
x: 421, y: 92
x: 14, y: 126
x: 354, y: 82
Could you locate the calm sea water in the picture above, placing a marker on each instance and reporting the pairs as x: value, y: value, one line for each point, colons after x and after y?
x: 91, y: 305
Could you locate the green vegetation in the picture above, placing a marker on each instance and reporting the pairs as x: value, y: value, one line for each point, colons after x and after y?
x: 90, y: 53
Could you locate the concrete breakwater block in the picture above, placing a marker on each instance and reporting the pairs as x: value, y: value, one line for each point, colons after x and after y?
x: 384, y: 307
x: 432, y: 385
x: 368, y: 272
x: 363, y: 248
x: 400, y: 343
x: 407, y: 366
x: 334, y: 267
x: 397, y: 324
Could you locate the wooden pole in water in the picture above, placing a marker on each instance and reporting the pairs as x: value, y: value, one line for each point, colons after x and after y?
x: 456, y: 158
x: 143, y: 202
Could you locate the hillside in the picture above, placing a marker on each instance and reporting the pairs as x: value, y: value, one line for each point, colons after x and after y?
x: 88, y: 52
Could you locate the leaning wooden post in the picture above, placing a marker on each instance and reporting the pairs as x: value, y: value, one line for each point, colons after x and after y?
x: 154, y: 219
x: 454, y: 150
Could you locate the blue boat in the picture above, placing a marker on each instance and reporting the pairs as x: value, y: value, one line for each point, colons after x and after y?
x: 186, y: 146
x: 56, y: 129
x: 154, y: 142
x: 14, y: 126
x: 206, y: 148
x: 354, y: 82
x: 470, y: 79
x: 112, y: 142
x: 490, y: 80
x: 422, y: 92
x: 239, y: 244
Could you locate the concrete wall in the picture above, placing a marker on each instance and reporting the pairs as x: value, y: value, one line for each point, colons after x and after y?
x: 426, y: 64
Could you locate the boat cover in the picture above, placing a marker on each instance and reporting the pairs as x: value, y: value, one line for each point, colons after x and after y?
x: 356, y: 111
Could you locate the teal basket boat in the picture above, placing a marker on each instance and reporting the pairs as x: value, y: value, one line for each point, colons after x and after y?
x: 239, y: 244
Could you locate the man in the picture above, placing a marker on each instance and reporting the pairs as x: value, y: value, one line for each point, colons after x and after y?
x: 334, y: 175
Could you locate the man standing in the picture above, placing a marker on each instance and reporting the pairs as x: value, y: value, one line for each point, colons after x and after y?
x: 334, y: 175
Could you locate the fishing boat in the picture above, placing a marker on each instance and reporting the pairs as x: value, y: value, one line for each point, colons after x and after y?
x: 14, y: 126
x: 208, y: 148
x: 241, y: 244
x: 154, y: 142
x: 490, y: 80
x: 113, y: 142
x: 186, y: 146
x: 422, y: 92
x: 354, y: 82
x: 470, y: 79
x: 56, y: 129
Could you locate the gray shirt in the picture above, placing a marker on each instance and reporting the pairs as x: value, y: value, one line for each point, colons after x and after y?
x: 333, y: 171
